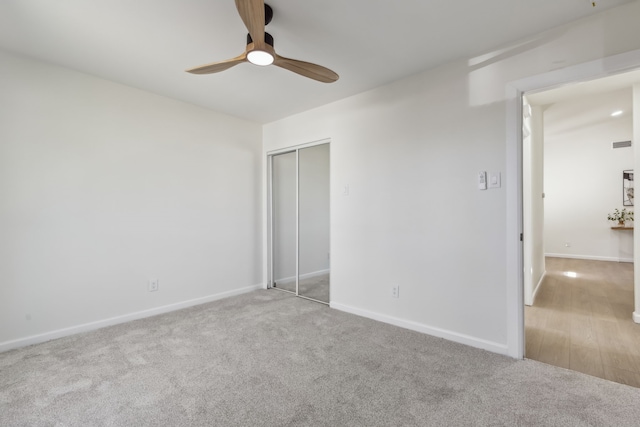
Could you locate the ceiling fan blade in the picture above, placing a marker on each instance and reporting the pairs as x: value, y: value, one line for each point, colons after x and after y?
x: 306, y: 69
x: 216, y: 67
x: 252, y: 14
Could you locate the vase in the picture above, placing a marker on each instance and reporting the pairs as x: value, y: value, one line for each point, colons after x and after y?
x: 620, y: 223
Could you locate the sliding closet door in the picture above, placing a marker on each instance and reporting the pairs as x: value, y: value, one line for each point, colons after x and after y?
x: 284, y: 221
x: 313, y: 220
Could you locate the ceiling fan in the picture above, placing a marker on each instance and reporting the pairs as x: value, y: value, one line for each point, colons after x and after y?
x: 259, y: 51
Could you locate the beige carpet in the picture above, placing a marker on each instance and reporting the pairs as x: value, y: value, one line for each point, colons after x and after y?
x: 270, y: 359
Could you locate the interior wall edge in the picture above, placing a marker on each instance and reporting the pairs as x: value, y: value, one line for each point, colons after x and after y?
x: 92, y: 326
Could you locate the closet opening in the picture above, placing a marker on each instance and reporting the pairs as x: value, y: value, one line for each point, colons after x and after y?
x: 299, y: 221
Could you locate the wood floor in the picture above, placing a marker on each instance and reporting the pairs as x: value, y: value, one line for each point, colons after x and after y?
x: 584, y: 322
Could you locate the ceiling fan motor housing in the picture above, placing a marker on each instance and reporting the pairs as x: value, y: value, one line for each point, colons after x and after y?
x: 268, y: 14
x: 268, y: 39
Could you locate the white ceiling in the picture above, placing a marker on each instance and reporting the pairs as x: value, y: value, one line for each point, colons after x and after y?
x: 589, y: 110
x: 587, y: 89
x: 149, y: 43
x: 587, y: 103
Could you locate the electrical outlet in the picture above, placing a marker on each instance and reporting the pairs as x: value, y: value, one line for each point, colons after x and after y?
x: 153, y: 285
x: 395, y: 291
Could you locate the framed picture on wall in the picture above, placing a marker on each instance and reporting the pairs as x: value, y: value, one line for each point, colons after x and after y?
x: 627, y: 187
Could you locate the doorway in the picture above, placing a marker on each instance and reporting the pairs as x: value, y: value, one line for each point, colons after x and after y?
x: 514, y: 92
x: 578, y: 271
x: 299, y: 221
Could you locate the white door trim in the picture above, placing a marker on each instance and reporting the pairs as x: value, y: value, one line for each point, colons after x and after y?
x: 298, y: 147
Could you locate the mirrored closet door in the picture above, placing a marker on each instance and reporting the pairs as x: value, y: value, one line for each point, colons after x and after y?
x: 299, y: 222
x: 284, y: 226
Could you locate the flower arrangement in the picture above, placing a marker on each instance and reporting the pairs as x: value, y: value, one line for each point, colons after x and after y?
x: 621, y: 216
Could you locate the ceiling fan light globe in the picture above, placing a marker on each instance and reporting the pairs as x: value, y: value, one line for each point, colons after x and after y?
x: 260, y: 57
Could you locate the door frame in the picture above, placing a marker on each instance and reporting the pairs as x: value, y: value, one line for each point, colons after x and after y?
x: 592, y: 70
x: 269, y: 160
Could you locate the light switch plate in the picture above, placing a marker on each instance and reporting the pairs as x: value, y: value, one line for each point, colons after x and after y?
x: 494, y: 180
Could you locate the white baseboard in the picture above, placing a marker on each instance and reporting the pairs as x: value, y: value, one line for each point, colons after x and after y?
x: 535, y: 291
x: 286, y: 280
x: 537, y: 288
x: 425, y: 329
x: 590, y: 257
x: 86, y: 327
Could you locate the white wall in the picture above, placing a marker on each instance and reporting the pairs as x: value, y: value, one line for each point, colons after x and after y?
x: 537, y: 200
x: 409, y: 152
x: 103, y: 187
x: 583, y: 176
x: 533, y: 201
